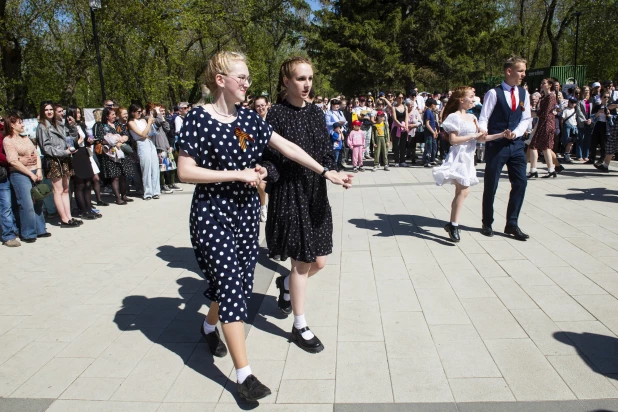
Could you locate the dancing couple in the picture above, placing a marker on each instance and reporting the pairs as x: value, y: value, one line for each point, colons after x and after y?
x: 503, y: 121
x: 225, y: 150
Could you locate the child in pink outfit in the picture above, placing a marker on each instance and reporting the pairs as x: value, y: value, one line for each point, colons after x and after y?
x: 356, y: 141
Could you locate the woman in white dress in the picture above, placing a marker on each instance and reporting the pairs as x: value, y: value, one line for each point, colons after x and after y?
x: 458, y: 169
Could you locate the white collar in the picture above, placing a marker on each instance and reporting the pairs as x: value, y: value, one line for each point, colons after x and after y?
x: 507, y: 87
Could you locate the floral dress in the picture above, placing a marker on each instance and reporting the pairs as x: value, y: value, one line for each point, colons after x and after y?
x: 225, y: 221
x: 110, y: 168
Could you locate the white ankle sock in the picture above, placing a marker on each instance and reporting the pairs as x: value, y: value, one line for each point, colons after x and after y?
x: 532, y: 170
x: 454, y: 224
x: 551, y: 170
x: 243, y: 373
x: 286, y: 286
x: 299, y: 323
x: 208, y: 328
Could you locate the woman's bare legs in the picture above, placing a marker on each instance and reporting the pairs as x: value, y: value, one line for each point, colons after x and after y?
x: 534, y: 158
x: 461, y: 192
x: 549, y: 159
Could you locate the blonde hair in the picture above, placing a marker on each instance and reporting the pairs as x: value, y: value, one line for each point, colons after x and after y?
x: 512, y: 61
x: 98, y: 115
x: 453, y: 102
x: 286, y: 70
x: 220, y: 63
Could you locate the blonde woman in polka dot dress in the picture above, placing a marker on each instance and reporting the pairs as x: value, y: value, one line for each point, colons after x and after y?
x: 221, y: 146
x: 301, y: 227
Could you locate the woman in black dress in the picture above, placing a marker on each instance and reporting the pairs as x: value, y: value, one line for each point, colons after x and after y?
x: 221, y: 146
x: 301, y: 227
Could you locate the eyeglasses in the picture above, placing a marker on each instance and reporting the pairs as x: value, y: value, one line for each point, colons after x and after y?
x: 183, y: 108
x: 241, y: 79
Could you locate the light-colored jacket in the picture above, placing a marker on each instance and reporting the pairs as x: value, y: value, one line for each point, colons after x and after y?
x: 52, y: 140
x: 580, y: 113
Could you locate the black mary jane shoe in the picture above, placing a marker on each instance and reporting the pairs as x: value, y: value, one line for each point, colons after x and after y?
x: 102, y: 203
x: 252, y: 389
x: 516, y: 232
x: 88, y: 216
x: 70, y: 224
x: 313, y: 345
x: 487, y: 231
x: 453, y: 232
x: 77, y: 221
x: 549, y: 174
x: 559, y: 169
x: 284, y: 306
x: 215, y: 344
x: 533, y: 175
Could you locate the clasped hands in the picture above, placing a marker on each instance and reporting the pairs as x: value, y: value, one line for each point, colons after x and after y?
x: 253, y: 177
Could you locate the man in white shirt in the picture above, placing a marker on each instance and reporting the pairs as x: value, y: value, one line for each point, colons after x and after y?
x: 506, y: 109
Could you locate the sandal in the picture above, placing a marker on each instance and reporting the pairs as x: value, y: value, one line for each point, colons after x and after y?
x: 120, y: 203
x: 127, y: 199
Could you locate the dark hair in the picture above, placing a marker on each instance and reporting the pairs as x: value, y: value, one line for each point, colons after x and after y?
x: 11, y: 117
x: 258, y: 98
x: 42, y: 107
x: 132, y: 109
x: 285, y: 71
x: 335, y: 101
x: 106, y: 112
x: 72, y: 112
x: 552, y: 84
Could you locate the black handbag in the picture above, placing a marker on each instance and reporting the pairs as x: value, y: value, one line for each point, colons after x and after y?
x: 4, y: 174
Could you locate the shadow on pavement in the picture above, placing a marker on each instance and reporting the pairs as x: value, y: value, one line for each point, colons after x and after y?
x: 404, y: 225
x: 175, y: 322
x: 600, y: 194
x: 600, y: 352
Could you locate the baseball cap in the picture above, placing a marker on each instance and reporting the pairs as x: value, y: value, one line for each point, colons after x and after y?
x: 381, y: 94
x: 607, y: 83
x: 357, y: 123
x: 380, y: 113
x: 362, y: 99
x: 572, y: 100
x: 430, y: 101
x: 336, y: 125
x: 596, y: 84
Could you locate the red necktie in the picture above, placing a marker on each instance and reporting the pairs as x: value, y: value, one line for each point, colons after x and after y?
x: 513, y: 104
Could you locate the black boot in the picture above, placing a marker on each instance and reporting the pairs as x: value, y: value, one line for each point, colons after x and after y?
x: 453, y: 232
x: 215, y: 344
x: 313, y: 345
x: 252, y: 389
x: 285, y: 306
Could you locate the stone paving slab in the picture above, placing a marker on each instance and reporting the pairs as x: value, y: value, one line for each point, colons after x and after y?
x: 409, y: 320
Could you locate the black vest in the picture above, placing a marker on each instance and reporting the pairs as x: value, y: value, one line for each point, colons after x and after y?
x: 503, y: 117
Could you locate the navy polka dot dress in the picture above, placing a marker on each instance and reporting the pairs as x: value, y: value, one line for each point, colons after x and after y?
x: 300, y: 223
x: 224, y: 222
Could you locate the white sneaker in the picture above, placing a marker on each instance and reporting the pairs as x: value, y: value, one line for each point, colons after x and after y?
x: 263, y: 213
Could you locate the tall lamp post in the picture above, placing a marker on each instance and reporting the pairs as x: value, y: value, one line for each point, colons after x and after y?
x: 577, y: 14
x: 95, y: 5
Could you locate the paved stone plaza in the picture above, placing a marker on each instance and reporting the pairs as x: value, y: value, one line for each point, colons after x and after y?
x: 106, y: 317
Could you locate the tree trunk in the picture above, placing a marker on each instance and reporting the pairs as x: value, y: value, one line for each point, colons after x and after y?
x: 537, y: 49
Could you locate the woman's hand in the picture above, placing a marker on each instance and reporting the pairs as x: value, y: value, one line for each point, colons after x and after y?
x: 262, y: 171
x: 339, y: 179
x: 33, y: 177
x: 69, y: 151
x: 39, y: 175
x: 250, y: 177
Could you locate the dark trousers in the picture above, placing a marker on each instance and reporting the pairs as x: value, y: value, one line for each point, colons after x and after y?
x: 431, y: 148
x: 599, y: 137
x: 399, y: 147
x: 497, y: 154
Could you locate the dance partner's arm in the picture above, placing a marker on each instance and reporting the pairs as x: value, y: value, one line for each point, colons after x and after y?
x: 489, y: 103
x: 526, y: 118
x: 298, y: 155
x: 190, y: 172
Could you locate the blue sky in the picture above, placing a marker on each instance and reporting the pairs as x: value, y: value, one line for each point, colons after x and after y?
x: 315, y: 4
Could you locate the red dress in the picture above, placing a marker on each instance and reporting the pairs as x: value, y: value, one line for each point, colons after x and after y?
x: 544, y: 136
